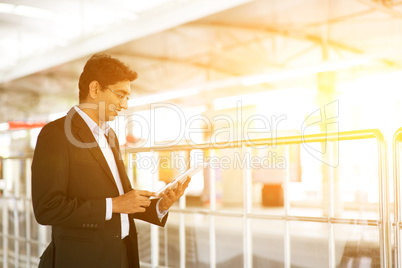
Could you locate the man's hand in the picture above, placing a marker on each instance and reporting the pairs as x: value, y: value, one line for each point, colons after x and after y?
x: 132, y: 202
x: 170, y: 196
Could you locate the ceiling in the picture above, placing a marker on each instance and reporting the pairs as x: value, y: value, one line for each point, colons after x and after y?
x: 195, y: 49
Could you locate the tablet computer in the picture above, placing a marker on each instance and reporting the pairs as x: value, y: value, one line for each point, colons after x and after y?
x: 181, y: 178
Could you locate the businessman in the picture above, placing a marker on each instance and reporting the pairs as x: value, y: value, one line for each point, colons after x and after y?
x: 79, y: 184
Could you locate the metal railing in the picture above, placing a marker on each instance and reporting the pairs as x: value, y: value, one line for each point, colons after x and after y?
x: 23, y: 239
x: 397, y: 221
x: 36, y: 237
x: 382, y: 223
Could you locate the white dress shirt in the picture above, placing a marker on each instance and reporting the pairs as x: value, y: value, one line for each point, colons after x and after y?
x: 99, y: 135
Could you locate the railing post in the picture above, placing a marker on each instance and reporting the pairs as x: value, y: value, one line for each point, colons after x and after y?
x: 212, y: 208
x: 385, y: 249
x: 286, y: 207
x: 247, y: 205
x: 331, y: 205
x: 397, y: 197
x: 154, y: 229
x: 5, y: 199
x: 182, y: 226
x: 28, y: 206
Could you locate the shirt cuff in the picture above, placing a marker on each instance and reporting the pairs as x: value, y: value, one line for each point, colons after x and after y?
x: 162, y: 213
x: 109, y: 208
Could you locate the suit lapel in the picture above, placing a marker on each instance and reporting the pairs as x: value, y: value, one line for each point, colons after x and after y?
x: 88, y: 141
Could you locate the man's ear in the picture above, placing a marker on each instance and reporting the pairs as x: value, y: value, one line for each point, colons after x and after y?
x: 94, y: 88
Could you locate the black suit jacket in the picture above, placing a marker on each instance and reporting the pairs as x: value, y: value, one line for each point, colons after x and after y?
x: 70, y: 183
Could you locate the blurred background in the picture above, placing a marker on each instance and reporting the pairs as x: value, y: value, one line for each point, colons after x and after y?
x: 217, y: 72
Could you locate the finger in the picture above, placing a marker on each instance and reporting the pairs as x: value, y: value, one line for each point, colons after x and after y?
x: 146, y: 193
x: 168, y: 191
x: 179, y: 188
x: 186, y: 183
x: 164, y: 194
x: 144, y: 201
x: 169, y: 196
x: 141, y: 209
x: 145, y: 204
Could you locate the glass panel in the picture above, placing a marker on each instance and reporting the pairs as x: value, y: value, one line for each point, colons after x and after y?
x: 308, y: 244
x: 144, y: 240
x: 229, y: 242
x: 196, y: 241
x: 267, y: 243
x: 356, y: 191
x: 226, y: 167
x: 197, y: 192
x: 169, y: 242
x: 357, y: 246
x: 394, y: 247
x: 306, y: 197
x: 268, y: 171
x: 354, y: 175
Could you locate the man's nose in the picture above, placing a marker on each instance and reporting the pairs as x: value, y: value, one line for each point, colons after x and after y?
x: 124, y: 104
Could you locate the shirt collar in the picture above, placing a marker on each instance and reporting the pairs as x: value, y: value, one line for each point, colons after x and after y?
x: 96, y: 130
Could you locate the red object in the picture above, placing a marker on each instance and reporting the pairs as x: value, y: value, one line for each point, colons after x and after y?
x: 13, y: 125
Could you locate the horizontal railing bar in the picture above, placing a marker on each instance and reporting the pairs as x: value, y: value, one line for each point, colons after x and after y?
x: 208, y: 212
x: 332, y: 136
x: 355, y: 221
x: 13, y: 197
x: 276, y: 217
x: 21, y: 239
x: 16, y: 157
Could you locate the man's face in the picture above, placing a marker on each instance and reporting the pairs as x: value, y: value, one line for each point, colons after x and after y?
x: 113, y: 99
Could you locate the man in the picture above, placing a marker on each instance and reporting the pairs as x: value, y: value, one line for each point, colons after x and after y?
x: 79, y: 184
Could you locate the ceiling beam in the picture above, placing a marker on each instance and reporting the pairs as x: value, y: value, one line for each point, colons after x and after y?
x: 381, y: 8
x: 151, y: 22
x: 289, y: 33
x: 155, y: 60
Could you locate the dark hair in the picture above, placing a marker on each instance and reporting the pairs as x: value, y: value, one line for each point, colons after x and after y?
x: 104, y: 69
